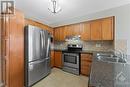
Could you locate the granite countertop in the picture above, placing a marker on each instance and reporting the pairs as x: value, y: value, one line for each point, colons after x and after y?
x: 83, y: 51
x: 58, y: 49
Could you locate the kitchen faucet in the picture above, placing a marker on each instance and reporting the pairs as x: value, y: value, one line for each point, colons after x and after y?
x: 120, y: 54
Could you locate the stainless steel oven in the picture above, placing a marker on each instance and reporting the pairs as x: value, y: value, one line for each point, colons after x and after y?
x: 71, y: 58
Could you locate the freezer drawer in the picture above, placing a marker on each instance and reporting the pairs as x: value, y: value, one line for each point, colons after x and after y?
x: 48, y: 69
x: 36, y: 71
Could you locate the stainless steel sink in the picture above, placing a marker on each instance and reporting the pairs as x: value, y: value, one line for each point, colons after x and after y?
x: 110, y: 59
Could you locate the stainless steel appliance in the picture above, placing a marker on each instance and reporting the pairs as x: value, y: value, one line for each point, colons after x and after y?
x: 37, y: 54
x: 71, y: 58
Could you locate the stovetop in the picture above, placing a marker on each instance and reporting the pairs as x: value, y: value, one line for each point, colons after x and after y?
x: 72, y: 51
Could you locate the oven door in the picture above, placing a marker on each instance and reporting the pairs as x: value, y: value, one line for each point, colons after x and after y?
x: 71, y: 60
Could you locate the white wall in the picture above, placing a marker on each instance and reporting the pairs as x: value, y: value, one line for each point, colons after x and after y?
x: 122, y: 23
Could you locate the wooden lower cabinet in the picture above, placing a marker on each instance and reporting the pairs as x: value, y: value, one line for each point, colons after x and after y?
x: 52, y: 58
x: 85, y: 65
x: 58, y: 59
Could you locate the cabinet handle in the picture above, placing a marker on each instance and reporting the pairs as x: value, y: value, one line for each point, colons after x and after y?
x: 4, y: 71
x: 5, y: 25
x: 4, y: 48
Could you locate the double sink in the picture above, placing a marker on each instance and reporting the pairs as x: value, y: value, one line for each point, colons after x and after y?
x: 110, y: 58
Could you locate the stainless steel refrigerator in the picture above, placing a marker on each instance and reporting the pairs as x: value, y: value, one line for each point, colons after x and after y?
x: 37, y: 54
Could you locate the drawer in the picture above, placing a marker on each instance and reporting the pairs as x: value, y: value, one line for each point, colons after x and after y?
x: 85, y: 55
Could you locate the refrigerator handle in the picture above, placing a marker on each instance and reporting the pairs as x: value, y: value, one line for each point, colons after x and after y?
x: 44, y: 39
x: 48, y: 48
x: 37, y: 62
x: 41, y: 36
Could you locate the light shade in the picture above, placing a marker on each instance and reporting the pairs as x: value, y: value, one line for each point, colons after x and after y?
x: 54, y: 6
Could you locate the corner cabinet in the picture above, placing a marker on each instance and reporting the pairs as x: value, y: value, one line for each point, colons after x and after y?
x: 108, y: 28
x: 102, y: 29
x: 13, y: 49
x: 85, y: 65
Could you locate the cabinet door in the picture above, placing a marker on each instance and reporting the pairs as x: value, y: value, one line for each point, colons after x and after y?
x: 76, y: 29
x: 69, y: 30
x: 86, y: 60
x: 52, y: 58
x: 85, y: 31
x: 16, y: 51
x: 56, y: 34
x: 96, y: 30
x: 63, y: 33
x: 58, y: 59
x: 59, y: 34
x: 5, y: 28
x: 107, y: 28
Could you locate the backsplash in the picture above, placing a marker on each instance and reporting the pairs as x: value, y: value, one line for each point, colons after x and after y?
x: 87, y: 45
x: 121, y: 45
x: 98, y: 45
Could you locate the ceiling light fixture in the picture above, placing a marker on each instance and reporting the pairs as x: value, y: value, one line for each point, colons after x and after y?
x: 54, y: 6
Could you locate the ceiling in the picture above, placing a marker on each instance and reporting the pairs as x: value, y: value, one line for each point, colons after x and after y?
x: 38, y: 9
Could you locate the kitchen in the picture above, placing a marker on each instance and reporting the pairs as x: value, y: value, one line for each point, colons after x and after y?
x: 88, y: 49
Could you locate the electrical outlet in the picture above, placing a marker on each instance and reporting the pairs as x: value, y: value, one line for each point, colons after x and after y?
x: 98, y: 45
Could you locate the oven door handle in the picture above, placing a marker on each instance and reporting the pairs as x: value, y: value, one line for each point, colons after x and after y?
x: 71, y: 54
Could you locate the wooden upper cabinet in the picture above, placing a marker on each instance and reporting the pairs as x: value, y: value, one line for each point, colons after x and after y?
x: 77, y: 29
x: 96, y: 30
x: 69, y: 30
x: 107, y: 28
x: 101, y: 29
x: 72, y: 30
x: 58, y: 59
x: 85, y: 31
x: 56, y: 34
x: 59, y: 34
x: 65, y: 31
x: 38, y: 24
x: 62, y: 34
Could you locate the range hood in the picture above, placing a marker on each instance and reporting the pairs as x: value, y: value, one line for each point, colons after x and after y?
x: 73, y: 38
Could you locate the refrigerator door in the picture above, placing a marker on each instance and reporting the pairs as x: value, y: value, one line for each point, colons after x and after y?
x: 47, y: 50
x: 36, y: 71
x: 47, y: 44
x: 33, y: 43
